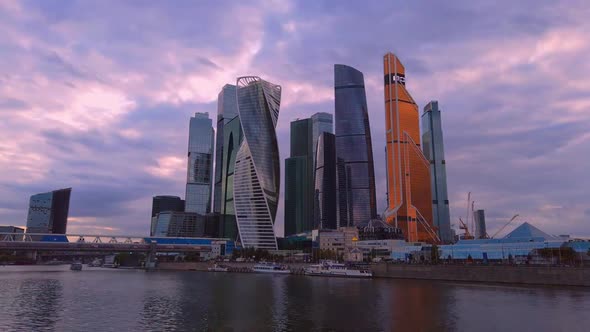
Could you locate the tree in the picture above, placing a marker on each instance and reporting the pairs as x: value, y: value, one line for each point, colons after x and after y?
x: 434, y: 254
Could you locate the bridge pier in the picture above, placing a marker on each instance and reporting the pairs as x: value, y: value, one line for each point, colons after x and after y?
x: 150, y: 258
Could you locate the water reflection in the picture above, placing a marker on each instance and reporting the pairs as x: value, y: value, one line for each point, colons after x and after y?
x: 194, y: 301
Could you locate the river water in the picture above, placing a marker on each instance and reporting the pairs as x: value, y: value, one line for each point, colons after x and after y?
x: 53, y: 298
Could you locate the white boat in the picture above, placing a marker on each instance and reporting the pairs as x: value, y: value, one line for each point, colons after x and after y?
x: 333, y: 269
x: 270, y: 268
x: 218, y: 268
x: 76, y: 266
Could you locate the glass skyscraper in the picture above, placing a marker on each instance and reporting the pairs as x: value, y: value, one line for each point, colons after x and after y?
x: 257, y: 168
x: 162, y: 204
x: 354, y: 153
x: 299, y: 172
x: 200, y: 164
x: 409, y: 200
x: 48, y: 212
x: 433, y: 148
x: 325, y: 183
x: 232, y: 139
x: 227, y: 109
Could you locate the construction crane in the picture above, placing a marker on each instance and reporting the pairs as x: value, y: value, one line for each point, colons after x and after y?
x: 466, y: 235
x: 506, y: 224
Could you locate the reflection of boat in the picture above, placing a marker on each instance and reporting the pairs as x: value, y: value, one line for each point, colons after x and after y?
x: 333, y: 269
x: 76, y: 266
x: 218, y: 268
x: 270, y: 268
x: 54, y: 262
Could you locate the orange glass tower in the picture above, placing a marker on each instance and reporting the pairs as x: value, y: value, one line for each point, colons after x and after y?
x: 409, y: 196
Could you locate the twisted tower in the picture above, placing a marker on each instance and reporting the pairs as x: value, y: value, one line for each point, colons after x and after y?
x: 257, y: 168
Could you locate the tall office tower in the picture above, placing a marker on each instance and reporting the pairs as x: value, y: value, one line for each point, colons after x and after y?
x: 48, y: 212
x: 321, y: 122
x: 409, y: 199
x: 434, y: 151
x: 232, y: 139
x: 200, y: 164
x: 354, y: 153
x: 257, y: 170
x: 325, y: 183
x: 227, y: 109
x: 479, y: 219
x: 162, y: 204
x: 299, y: 172
x: 298, y: 179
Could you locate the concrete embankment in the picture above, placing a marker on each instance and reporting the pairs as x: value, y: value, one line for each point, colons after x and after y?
x: 531, y: 275
x: 296, y: 268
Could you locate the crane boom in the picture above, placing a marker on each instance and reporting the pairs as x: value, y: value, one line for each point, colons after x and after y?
x: 506, y: 224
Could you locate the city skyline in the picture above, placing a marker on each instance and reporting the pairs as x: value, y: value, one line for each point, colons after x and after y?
x: 98, y: 122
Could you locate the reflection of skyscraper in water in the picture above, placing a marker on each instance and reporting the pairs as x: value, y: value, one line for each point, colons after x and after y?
x: 257, y: 168
x: 355, y: 170
x: 408, y: 172
x: 200, y: 164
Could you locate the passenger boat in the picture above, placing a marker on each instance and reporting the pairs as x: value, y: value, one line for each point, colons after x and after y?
x: 333, y: 269
x: 76, y: 266
x: 270, y: 268
x: 218, y: 268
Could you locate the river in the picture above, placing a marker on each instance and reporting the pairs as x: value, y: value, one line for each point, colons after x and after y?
x: 53, y: 298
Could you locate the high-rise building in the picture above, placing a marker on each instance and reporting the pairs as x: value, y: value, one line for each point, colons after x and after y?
x: 409, y: 199
x: 354, y: 152
x: 321, y: 122
x: 434, y: 152
x: 200, y: 165
x: 479, y: 219
x: 325, y: 216
x: 257, y: 169
x: 299, y: 172
x: 164, y: 203
x: 232, y: 139
x: 227, y: 109
x: 48, y: 212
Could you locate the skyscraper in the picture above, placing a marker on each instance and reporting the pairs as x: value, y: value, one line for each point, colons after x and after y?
x: 433, y: 148
x: 232, y: 139
x: 409, y: 199
x: 200, y: 164
x: 325, y: 216
x: 354, y: 153
x: 321, y: 122
x: 162, y: 204
x: 48, y: 212
x: 299, y: 172
x: 257, y: 168
x: 479, y: 219
x: 227, y: 109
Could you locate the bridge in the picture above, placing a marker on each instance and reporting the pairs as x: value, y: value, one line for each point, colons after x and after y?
x: 107, y: 243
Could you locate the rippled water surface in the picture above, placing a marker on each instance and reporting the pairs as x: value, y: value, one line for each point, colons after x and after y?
x: 53, y: 298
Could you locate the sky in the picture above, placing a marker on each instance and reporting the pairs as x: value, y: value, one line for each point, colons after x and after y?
x: 97, y: 95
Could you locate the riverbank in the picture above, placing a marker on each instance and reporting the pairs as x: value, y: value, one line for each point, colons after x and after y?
x: 526, y: 275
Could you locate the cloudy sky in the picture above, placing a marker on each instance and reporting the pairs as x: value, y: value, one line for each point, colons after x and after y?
x: 96, y: 95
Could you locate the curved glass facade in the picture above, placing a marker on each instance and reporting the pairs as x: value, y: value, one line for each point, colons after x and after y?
x: 409, y: 195
x: 257, y: 168
x: 325, y: 183
x: 354, y: 152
